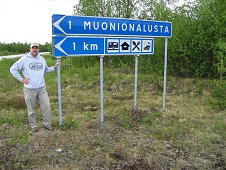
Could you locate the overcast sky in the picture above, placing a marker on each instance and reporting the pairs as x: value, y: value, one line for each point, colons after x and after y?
x: 30, y: 20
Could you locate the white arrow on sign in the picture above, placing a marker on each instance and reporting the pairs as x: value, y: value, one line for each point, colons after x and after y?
x: 57, y: 24
x: 58, y: 46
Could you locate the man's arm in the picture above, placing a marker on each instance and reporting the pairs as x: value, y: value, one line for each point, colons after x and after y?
x: 15, y: 68
x: 50, y: 69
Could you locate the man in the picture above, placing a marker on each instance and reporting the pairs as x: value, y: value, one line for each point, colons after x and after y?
x: 34, y: 67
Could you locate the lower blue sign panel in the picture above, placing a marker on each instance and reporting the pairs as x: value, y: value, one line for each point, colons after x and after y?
x: 77, y: 46
x: 91, y: 46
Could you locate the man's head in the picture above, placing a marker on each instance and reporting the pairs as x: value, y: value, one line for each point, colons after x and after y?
x: 34, y: 49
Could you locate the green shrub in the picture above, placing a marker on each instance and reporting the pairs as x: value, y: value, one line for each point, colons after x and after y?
x: 218, y: 100
x: 69, y: 123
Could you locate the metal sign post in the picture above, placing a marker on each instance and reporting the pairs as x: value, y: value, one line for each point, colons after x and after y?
x: 101, y: 91
x: 135, y: 84
x: 165, y: 73
x: 59, y: 92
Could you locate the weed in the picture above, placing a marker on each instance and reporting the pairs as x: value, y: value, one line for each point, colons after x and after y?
x: 219, y: 123
x: 69, y: 123
x: 219, y: 96
x: 176, y: 131
x: 19, y: 136
x: 125, y: 118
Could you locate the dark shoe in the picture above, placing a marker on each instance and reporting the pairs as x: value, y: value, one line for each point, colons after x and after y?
x: 35, y: 129
x: 48, y: 127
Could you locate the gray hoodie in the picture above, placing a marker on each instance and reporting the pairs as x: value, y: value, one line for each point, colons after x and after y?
x: 32, y: 68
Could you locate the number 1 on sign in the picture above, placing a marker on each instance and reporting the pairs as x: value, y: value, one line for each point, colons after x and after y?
x: 69, y: 24
x: 74, y: 44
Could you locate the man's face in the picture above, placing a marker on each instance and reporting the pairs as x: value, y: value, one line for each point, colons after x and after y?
x: 34, y: 51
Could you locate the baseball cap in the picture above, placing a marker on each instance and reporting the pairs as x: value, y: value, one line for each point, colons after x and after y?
x: 34, y: 45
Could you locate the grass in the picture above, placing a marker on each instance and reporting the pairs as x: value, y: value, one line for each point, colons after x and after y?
x: 189, y: 135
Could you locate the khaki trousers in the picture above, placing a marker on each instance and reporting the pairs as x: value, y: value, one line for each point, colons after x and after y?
x: 31, y: 98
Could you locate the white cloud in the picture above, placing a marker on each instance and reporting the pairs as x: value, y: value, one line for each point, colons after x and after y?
x: 30, y: 20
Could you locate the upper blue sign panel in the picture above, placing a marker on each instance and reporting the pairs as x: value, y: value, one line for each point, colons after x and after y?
x: 84, y: 25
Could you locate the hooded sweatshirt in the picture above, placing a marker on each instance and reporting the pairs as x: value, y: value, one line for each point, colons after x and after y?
x: 33, y: 68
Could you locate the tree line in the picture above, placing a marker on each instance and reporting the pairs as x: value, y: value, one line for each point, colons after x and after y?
x: 20, y: 48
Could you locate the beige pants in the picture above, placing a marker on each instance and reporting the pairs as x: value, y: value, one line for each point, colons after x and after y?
x: 31, y: 99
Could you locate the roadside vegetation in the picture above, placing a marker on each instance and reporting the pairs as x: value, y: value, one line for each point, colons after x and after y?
x: 189, y: 135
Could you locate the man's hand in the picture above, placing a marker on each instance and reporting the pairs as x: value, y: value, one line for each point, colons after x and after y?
x: 26, y: 81
x: 56, y: 65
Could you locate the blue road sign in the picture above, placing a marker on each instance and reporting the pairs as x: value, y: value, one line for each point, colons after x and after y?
x: 87, y: 25
x: 77, y: 46
x: 92, y: 46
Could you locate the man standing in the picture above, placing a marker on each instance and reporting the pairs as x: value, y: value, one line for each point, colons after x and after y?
x: 34, y: 67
